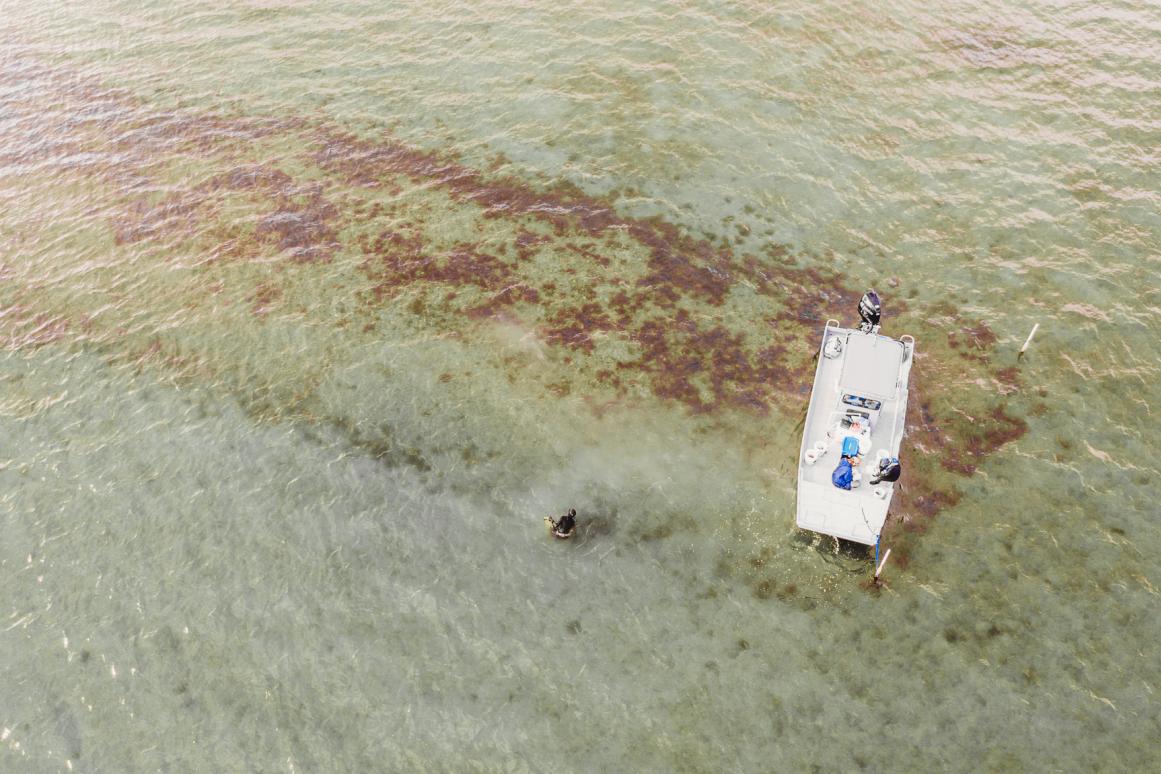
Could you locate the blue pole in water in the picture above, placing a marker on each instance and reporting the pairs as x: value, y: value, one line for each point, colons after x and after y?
x: 878, y: 538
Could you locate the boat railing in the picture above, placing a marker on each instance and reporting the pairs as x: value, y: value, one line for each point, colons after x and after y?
x: 829, y: 324
x: 908, y: 345
x: 908, y: 348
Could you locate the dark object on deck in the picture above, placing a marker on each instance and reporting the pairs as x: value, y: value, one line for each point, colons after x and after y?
x: 889, y: 470
x: 870, y: 311
x: 565, y: 526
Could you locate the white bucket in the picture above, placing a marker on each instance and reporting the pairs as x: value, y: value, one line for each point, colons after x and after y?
x: 811, y: 456
x: 820, y: 448
x: 880, y: 492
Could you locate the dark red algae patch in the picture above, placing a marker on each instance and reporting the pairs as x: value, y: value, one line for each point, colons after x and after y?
x: 397, y: 259
x: 303, y: 225
x: 691, y: 360
x: 576, y: 326
x: 22, y: 327
x: 667, y: 303
x: 683, y: 351
x: 950, y: 432
x: 300, y: 221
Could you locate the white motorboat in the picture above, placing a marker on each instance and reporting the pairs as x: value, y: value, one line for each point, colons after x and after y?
x: 857, y: 410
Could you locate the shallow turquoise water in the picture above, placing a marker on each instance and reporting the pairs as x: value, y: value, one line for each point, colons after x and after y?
x: 298, y: 545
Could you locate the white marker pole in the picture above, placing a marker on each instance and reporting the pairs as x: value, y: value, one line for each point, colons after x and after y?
x: 879, y: 569
x: 1028, y: 341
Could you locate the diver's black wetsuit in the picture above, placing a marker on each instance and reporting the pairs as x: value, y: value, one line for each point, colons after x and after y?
x: 567, y: 522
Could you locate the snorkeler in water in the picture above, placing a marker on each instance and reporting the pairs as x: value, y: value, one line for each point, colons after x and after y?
x: 564, y: 526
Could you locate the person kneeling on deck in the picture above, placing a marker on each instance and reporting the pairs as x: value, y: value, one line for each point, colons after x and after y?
x: 564, y: 526
x: 889, y: 470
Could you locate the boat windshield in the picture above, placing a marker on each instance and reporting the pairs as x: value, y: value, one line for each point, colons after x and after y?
x: 860, y: 402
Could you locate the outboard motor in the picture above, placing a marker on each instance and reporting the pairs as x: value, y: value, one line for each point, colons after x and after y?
x: 870, y: 310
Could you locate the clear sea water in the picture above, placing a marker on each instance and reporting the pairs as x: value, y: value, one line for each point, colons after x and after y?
x: 277, y: 433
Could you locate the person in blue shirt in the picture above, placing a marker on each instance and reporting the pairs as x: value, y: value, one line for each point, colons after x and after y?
x: 844, y: 474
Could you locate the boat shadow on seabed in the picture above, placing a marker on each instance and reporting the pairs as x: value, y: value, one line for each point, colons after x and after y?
x: 835, y: 551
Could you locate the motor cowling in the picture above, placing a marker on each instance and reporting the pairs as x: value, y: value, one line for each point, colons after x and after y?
x: 870, y: 311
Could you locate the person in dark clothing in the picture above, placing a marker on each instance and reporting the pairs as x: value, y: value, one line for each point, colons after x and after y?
x: 567, y: 522
x: 564, y: 526
x: 889, y: 470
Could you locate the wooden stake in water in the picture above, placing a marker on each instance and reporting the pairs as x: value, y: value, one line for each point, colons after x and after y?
x: 879, y: 569
x: 1028, y: 341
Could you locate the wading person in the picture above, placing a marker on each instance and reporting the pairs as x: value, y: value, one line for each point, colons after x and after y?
x: 564, y: 526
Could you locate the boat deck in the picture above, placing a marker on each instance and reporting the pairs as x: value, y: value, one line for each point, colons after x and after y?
x: 870, y: 366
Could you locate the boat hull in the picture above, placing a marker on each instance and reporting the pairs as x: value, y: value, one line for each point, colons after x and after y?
x: 860, y: 391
